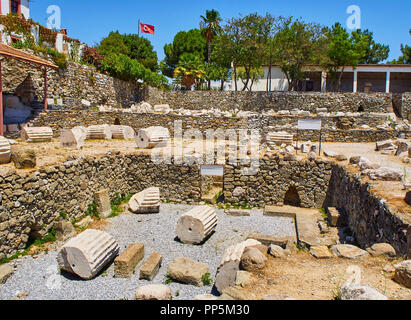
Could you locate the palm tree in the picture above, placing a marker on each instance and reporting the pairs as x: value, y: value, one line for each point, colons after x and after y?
x: 210, y: 25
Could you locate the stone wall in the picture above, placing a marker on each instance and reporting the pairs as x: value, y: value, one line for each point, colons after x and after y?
x: 370, y: 218
x: 274, y: 178
x: 338, y: 129
x: 406, y: 106
x: 75, y: 83
x: 32, y: 202
x: 258, y: 101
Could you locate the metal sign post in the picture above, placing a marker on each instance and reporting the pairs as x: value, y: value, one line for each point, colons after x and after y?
x: 310, y: 124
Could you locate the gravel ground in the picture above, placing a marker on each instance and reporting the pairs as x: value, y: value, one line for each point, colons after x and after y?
x: 40, y: 278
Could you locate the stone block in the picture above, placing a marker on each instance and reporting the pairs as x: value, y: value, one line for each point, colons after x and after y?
x: 195, y: 226
x: 36, y: 134
x: 24, y: 159
x: 6, y: 271
x: 5, y: 150
x: 151, y: 267
x: 102, y: 200
x: 335, y: 218
x: 126, y: 262
x: 153, y: 292
x: 186, y: 270
x: 88, y: 253
x: 268, y: 240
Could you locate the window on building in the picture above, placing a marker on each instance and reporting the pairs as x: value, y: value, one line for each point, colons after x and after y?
x: 14, y: 6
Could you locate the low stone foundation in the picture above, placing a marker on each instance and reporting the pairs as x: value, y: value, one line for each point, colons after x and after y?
x: 336, y: 129
x: 369, y: 217
x: 259, y: 101
x: 32, y: 201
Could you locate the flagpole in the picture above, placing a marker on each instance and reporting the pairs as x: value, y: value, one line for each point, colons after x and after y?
x: 139, y: 26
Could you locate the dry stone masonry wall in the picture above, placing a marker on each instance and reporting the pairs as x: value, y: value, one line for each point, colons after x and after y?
x: 32, y: 201
x: 259, y: 101
x: 72, y: 85
x: 336, y: 128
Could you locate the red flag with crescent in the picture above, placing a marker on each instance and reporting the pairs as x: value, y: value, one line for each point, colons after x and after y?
x: 146, y: 28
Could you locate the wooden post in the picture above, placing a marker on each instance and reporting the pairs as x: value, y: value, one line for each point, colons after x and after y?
x: 1, y: 104
x: 45, y: 89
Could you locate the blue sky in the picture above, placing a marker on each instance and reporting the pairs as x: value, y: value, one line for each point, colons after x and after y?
x: 92, y: 20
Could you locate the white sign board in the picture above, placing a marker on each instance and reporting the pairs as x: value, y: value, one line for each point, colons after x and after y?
x: 215, y: 171
x: 309, y: 124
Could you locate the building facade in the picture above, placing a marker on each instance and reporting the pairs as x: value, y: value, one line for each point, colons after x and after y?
x: 390, y: 78
x: 19, y: 7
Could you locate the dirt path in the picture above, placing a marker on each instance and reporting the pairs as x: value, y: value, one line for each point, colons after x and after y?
x: 304, y: 277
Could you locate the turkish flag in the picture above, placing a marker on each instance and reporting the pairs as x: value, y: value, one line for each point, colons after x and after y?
x: 147, y: 28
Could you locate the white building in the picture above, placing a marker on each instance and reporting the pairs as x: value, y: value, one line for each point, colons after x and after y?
x: 20, y: 7
x: 394, y: 78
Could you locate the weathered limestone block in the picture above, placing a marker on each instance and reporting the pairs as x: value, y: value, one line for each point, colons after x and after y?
x: 335, y: 218
x: 5, y: 150
x: 383, y: 145
x: 320, y: 252
x: 73, y: 138
x: 253, y: 259
x: 403, y: 273
x: 126, y: 262
x: 403, y: 146
x: 24, y: 159
x: 187, y: 271
x: 227, y: 271
x: 348, y: 251
x: 123, y: 132
x: 279, y: 138
x: 147, y: 201
x: 152, y: 137
x: 88, y: 253
x: 382, y: 249
x: 99, y: 132
x: 409, y: 242
x: 386, y: 174
x: 162, y: 109
x: 151, y: 267
x: 153, y: 292
x: 360, y: 292
x: 64, y: 230
x: 36, y: 134
x: 102, y: 200
x: 6, y: 271
x: 196, y: 225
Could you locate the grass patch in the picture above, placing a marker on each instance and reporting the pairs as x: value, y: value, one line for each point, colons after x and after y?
x: 168, y: 279
x: 206, y: 279
x: 40, y: 242
x: 92, y: 211
x: 116, y: 202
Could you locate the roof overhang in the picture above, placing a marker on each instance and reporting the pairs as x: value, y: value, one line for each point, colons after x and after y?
x: 10, y: 52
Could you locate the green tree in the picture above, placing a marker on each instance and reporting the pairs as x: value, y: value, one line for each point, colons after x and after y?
x: 130, y: 45
x: 343, y: 50
x: 210, y: 26
x: 221, y: 57
x: 405, y: 58
x: 191, y: 41
x: 113, y: 43
x: 296, y: 45
x: 246, y: 38
x: 190, y: 70
x: 374, y: 52
x: 254, y: 75
x: 141, y: 50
